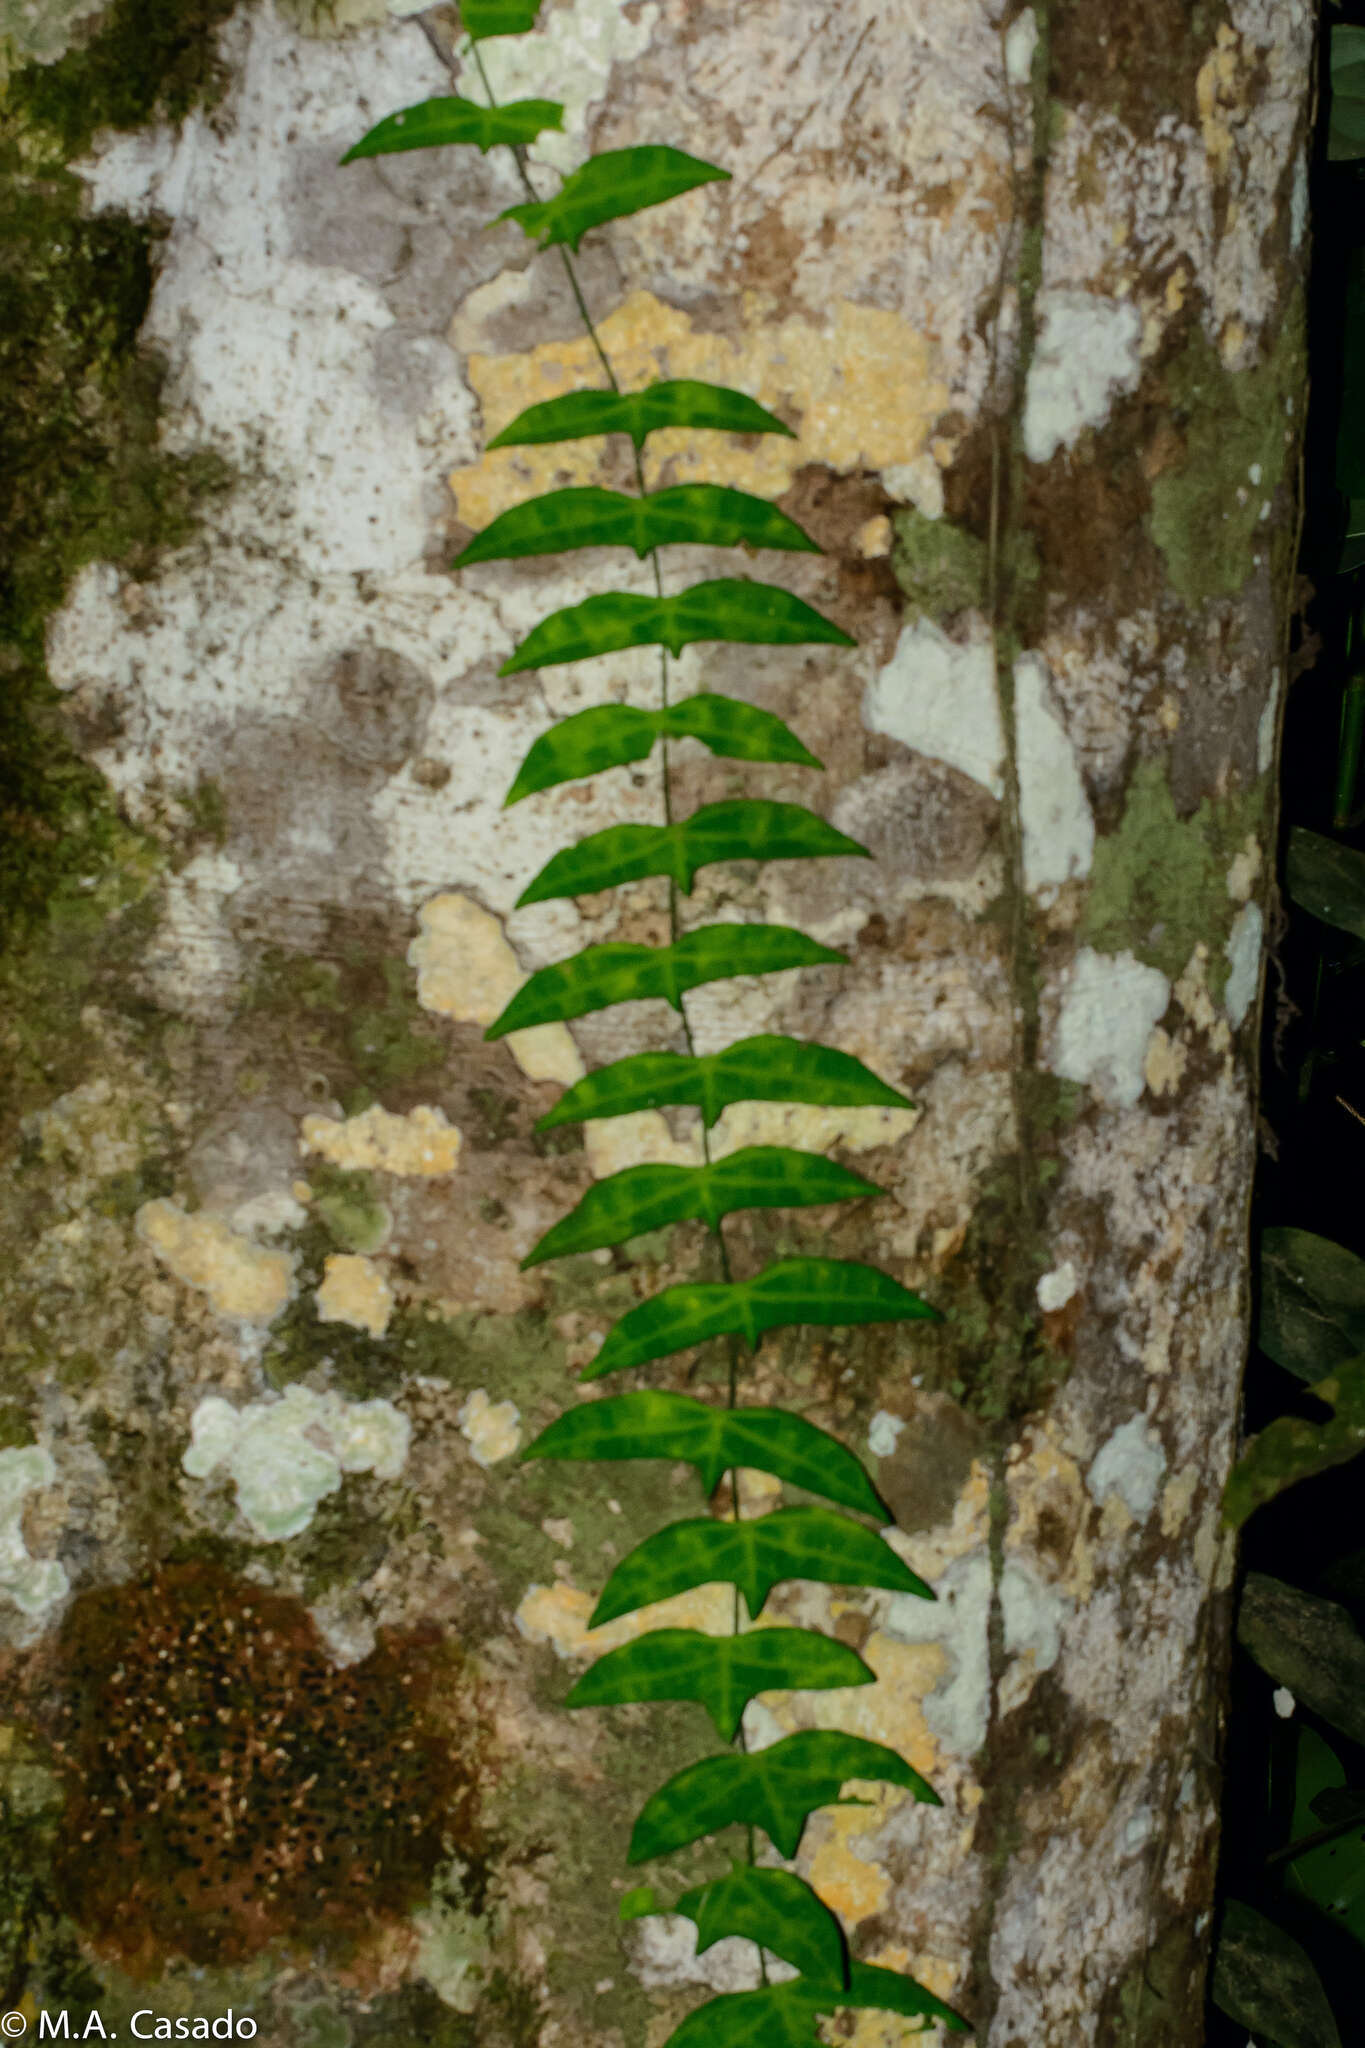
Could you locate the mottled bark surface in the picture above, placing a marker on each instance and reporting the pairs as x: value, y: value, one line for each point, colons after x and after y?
x: 1026, y: 285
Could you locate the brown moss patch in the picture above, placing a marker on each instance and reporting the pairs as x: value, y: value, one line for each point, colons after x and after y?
x: 228, y: 1785
x: 1138, y: 64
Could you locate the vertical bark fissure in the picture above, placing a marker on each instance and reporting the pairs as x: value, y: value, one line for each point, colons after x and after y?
x: 1021, y: 270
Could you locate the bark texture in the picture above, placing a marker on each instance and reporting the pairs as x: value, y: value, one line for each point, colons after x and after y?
x: 1026, y: 285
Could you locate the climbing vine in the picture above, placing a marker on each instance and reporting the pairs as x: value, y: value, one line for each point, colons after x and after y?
x: 772, y: 1790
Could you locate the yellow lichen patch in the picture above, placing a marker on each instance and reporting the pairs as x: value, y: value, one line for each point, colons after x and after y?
x: 616, y: 1142
x: 240, y: 1278
x: 420, y: 1143
x: 873, y: 538
x: 884, y: 2029
x: 559, y: 1614
x: 467, y: 970
x: 354, y: 1291
x: 860, y: 389
x: 492, y: 1429
x: 1221, y: 96
x: 851, y: 1887
x: 1244, y: 870
x: 1049, y: 1508
x: 1179, y: 1492
x: 1192, y: 994
x: 1164, y: 1067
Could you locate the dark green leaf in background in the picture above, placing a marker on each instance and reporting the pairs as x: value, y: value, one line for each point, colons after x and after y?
x: 433, y: 123
x: 1346, y: 128
x: 826, y: 1292
x: 1312, y: 1303
x: 1332, y: 1876
x: 1263, y: 1979
x: 627, y: 973
x: 768, y: 1068
x: 609, y: 187
x: 722, y: 1673
x: 676, y: 402
x: 610, y: 735
x: 776, y: 1909
x: 755, y: 1555
x: 1292, y: 1448
x: 654, y: 1424
x: 744, y: 828
x: 724, y: 608
x: 584, y: 516
x: 643, y: 1198
x: 1308, y: 1644
x: 1327, y: 878
x: 776, y: 1789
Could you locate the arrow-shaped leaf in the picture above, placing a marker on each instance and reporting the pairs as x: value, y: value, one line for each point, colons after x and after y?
x: 431, y: 124
x: 775, y: 1789
x: 784, y: 2015
x: 768, y: 1068
x: 792, y: 1543
x: 610, y: 735
x: 643, y: 1198
x: 778, y: 1910
x: 655, y: 1424
x: 626, y: 973
x: 497, y: 17
x: 745, y: 828
x: 722, y: 1673
x: 725, y: 608
x: 825, y: 1292
x: 676, y: 402
x: 584, y: 516
x: 609, y: 187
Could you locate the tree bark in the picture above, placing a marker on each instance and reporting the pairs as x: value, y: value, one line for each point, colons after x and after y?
x: 1026, y: 284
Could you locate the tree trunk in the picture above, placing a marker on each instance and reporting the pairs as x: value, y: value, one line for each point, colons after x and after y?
x: 1026, y: 284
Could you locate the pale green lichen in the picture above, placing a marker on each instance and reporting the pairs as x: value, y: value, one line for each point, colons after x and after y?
x: 1205, y: 511
x: 1158, y: 885
x: 284, y: 1456
x: 941, y: 567
x: 32, y: 1583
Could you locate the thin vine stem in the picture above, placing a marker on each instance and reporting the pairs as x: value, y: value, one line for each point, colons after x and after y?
x: 717, y: 1232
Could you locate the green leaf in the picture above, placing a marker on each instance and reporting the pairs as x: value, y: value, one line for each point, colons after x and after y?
x: 637, y: 1903
x: 769, y: 1068
x: 828, y: 1293
x: 755, y: 1555
x: 776, y: 1909
x: 584, y: 516
x: 744, y: 828
x: 1322, y: 876
x: 609, y: 187
x: 1346, y: 121
x: 610, y: 735
x: 722, y: 1673
x: 725, y: 608
x: 1331, y: 1876
x: 775, y: 1789
x: 483, y: 18
x: 654, y: 1424
x: 676, y: 402
x: 1291, y: 1448
x: 642, y: 1198
x: 1312, y: 1302
x: 784, y: 2015
x: 1310, y: 1645
x: 625, y: 973
x: 1263, y: 1979
x: 431, y: 124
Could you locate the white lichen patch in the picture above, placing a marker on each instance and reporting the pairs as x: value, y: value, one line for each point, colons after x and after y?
x: 32, y: 1584
x: 883, y: 1433
x: 1132, y: 1464
x: 1054, y: 811
x: 467, y: 969
x: 1087, y: 354
x: 240, y: 1278
x: 1056, y: 1288
x: 1243, y: 951
x: 1110, y: 1004
x: 492, y: 1429
x: 1245, y: 868
x: 1021, y: 40
x: 421, y: 1143
x: 285, y: 1456
x: 354, y: 1291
